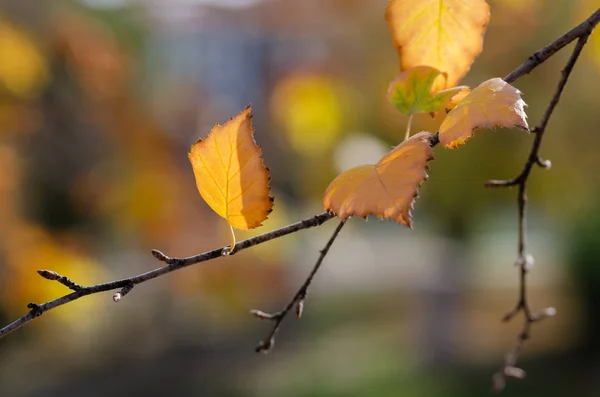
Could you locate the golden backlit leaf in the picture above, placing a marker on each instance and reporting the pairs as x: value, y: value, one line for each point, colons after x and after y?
x: 457, y: 98
x: 494, y: 103
x: 444, y: 34
x: 387, y: 189
x: 411, y: 93
x: 230, y: 174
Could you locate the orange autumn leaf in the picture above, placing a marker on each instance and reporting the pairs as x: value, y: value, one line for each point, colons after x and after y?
x: 463, y: 91
x: 494, y: 103
x: 230, y: 174
x: 457, y: 98
x: 444, y: 34
x: 387, y: 189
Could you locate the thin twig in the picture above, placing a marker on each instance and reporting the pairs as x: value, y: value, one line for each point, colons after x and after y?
x: 66, y: 281
x: 124, y: 291
x: 172, y: 264
x: 296, y: 301
x: 584, y: 28
x: 525, y: 261
x: 540, y: 56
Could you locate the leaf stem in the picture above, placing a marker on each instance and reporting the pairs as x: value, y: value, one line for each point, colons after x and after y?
x: 407, y: 135
x: 229, y: 250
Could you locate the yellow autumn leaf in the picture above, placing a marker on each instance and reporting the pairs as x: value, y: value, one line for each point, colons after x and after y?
x: 230, y: 174
x: 387, y: 189
x: 444, y: 34
x: 494, y: 103
x: 457, y: 98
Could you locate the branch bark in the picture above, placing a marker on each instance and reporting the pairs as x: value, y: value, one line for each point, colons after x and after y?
x: 172, y: 264
x: 297, y: 300
x: 524, y: 260
x: 583, y: 29
x: 124, y: 286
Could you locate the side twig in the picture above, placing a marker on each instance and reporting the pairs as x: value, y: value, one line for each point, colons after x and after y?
x: 539, y: 57
x: 582, y: 31
x: 524, y: 260
x: 66, y: 281
x: 126, y: 285
x: 296, y: 301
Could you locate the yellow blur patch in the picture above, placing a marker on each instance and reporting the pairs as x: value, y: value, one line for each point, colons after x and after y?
x: 23, y: 69
x: 309, y: 109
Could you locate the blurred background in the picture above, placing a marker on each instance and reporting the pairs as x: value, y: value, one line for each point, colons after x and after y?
x: 100, y: 101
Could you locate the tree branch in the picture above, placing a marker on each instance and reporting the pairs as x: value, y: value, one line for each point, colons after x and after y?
x: 580, y: 32
x: 525, y: 261
x: 126, y: 285
x: 583, y: 29
x: 297, y: 299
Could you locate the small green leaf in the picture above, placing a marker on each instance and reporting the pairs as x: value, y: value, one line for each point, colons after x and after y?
x: 410, y: 92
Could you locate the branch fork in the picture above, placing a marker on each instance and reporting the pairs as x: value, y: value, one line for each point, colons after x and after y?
x: 124, y: 286
x: 525, y: 261
x: 509, y: 369
x: 297, y: 300
x: 124, y: 291
x: 36, y: 310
